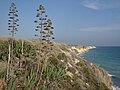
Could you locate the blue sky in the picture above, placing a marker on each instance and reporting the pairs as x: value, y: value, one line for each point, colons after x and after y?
x: 84, y: 22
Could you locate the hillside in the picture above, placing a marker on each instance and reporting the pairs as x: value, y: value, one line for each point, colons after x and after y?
x: 65, y: 70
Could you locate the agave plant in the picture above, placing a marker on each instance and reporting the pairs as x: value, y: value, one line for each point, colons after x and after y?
x: 12, y: 27
x: 13, y: 21
x: 45, y: 34
x: 41, y: 16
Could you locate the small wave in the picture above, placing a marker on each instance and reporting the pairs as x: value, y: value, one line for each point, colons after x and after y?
x: 111, y: 75
x: 83, y: 57
x: 116, y: 88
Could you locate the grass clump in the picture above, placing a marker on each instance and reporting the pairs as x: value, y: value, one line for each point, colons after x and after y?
x: 61, y: 56
x: 53, y: 60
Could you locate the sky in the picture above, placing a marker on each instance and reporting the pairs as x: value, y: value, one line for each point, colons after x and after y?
x: 83, y: 22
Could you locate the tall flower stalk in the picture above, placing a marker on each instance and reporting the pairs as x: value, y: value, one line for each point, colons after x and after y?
x: 39, y: 28
x: 12, y: 27
x: 45, y: 34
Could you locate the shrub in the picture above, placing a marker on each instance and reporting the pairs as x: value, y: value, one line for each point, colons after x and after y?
x: 61, y: 56
x: 53, y: 60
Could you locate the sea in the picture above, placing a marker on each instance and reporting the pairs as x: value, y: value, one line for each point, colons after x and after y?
x: 107, y: 58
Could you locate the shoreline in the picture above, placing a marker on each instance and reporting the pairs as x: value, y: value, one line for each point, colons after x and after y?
x: 114, y: 87
x: 82, y: 49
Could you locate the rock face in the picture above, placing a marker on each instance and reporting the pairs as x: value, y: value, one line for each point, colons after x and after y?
x: 2, y: 85
x: 81, y: 74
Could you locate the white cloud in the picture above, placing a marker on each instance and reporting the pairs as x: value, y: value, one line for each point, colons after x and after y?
x: 100, y: 4
x: 93, y: 4
x: 113, y: 27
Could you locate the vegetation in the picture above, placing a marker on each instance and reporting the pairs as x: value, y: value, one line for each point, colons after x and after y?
x: 12, y: 27
x: 45, y: 33
x: 44, y: 65
x: 52, y: 74
x: 26, y: 59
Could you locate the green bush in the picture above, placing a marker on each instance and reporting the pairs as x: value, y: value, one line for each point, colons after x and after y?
x: 53, y: 60
x: 3, y: 50
x: 86, y: 70
x: 28, y: 50
x: 54, y: 76
x: 61, y: 56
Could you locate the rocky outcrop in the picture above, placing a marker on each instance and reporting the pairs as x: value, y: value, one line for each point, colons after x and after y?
x: 83, y: 75
x: 80, y: 74
x: 2, y: 87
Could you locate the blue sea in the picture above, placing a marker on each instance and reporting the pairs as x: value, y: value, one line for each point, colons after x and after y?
x: 107, y: 58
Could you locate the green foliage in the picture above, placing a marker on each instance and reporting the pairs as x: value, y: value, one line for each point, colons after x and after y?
x: 61, y: 56
x: 64, y: 48
x: 53, y: 60
x: 26, y: 80
x: 86, y: 70
x: 25, y: 77
x: 12, y: 84
x: 30, y: 78
x: 95, y: 85
x: 54, y: 76
x: 3, y: 73
x: 103, y: 87
x: 3, y: 50
x: 28, y: 49
x: 17, y: 49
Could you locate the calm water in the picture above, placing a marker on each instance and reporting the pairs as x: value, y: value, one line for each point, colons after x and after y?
x: 107, y: 58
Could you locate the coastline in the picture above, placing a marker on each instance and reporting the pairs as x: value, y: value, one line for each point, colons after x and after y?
x: 81, y: 50
x: 114, y: 87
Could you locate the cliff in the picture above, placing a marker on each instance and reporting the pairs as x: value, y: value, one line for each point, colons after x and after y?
x: 70, y: 71
x: 83, y: 74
